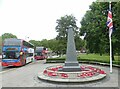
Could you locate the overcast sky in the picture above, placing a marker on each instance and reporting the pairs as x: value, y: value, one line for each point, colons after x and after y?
x: 36, y: 19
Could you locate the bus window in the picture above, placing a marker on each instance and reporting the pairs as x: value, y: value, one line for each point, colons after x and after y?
x: 30, y: 54
x: 11, y: 55
x: 3, y: 55
x: 39, y: 54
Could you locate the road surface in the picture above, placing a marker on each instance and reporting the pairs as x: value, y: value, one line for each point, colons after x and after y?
x: 26, y: 76
x: 0, y: 62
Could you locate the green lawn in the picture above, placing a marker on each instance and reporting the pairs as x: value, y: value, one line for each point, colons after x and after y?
x: 96, y: 57
x: 92, y: 57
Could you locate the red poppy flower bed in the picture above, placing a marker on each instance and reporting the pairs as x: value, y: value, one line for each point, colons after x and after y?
x: 86, y: 72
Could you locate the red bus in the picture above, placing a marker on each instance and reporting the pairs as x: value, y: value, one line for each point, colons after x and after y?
x: 17, y: 52
x: 41, y: 53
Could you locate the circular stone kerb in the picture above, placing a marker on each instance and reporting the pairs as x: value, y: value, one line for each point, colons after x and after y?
x: 87, y: 74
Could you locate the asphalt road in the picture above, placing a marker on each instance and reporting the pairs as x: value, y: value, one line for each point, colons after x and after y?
x: 26, y: 76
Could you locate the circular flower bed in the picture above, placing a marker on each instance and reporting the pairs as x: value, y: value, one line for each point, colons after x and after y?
x: 86, y: 72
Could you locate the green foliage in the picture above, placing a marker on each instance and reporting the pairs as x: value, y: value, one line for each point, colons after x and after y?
x: 8, y: 35
x: 94, y: 25
x: 51, y: 44
x: 62, y: 25
x: 116, y: 32
x: 79, y: 43
x: 5, y: 36
x: 35, y: 43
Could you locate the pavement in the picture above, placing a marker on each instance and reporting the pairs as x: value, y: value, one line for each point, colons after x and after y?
x: 0, y: 71
x: 26, y: 76
x: 0, y: 63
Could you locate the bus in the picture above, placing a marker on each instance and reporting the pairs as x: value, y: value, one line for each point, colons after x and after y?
x: 17, y: 52
x: 41, y: 53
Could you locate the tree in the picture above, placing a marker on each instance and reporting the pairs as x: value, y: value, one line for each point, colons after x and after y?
x: 62, y: 25
x: 116, y: 31
x: 8, y: 35
x: 5, y: 36
x: 35, y: 43
x: 79, y: 43
x: 44, y: 43
x: 94, y: 24
x: 54, y: 45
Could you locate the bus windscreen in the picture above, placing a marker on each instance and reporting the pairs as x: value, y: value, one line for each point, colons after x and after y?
x: 11, y: 55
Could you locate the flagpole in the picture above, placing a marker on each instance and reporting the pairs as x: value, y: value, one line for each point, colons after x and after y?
x: 110, y: 44
x: 110, y: 55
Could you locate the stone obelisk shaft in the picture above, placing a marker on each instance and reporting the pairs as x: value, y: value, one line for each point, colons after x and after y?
x: 71, y: 63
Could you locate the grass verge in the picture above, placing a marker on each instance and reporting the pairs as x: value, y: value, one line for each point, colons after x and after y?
x: 89, y: 57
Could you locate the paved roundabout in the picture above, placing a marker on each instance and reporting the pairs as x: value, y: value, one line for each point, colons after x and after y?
x: 87, y: 74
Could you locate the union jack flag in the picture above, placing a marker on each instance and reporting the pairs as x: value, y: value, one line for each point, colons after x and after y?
x: 110, y: 23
